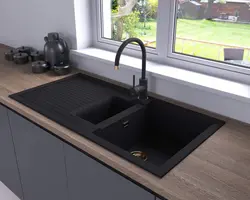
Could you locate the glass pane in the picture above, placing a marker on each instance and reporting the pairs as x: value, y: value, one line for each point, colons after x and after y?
x: 214, y: 29
x: 123, y: 19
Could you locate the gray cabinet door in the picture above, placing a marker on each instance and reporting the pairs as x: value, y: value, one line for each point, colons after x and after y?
x: 88, y: 179
x: 40, y: 160
x: 8, y: 166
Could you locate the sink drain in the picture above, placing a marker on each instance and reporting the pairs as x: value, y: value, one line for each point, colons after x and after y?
x: 139, y: 154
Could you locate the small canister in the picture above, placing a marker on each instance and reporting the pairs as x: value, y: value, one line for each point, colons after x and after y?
x: 24, y: 49
x: 36, y: 56
x: 21, y: 58
x: 39, y: 67
x: 9, y: 54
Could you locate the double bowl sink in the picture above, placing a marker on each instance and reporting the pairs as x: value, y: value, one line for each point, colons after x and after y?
x: 154, y: 134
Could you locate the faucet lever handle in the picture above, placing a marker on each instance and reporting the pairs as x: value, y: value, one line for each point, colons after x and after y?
x: 133, y: 81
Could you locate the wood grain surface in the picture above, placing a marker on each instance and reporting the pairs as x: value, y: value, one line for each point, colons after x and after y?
x: 218, y: 169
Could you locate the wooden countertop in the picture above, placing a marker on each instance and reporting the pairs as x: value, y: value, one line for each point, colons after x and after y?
x: 218, y: 169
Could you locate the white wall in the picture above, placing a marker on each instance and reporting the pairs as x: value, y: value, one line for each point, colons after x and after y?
x: 26, y: 22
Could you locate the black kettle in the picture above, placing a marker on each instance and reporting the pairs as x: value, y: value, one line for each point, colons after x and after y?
x: 56, y: 50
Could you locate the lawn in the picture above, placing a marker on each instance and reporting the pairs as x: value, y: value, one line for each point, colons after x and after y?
x: 148, y: 33
x: 210, y: 31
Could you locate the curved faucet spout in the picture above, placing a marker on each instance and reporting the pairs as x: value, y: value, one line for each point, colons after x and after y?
x: 141, y: 89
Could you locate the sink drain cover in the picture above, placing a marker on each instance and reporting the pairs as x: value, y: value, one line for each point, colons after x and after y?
x: 140, y: 154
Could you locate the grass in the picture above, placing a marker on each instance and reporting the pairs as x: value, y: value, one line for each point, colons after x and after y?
x: 228, y: 33
x: 216, y: 32
x: 148, y: 33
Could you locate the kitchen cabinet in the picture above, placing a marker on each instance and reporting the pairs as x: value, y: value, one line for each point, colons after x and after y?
x: 40, y: 159
x: 88, y: 179
x: 8, y: 166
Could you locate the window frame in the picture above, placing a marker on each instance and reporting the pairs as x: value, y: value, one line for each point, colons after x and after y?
x: 163, y: 53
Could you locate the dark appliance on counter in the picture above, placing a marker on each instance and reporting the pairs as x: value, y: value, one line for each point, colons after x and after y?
x: 56, y: 50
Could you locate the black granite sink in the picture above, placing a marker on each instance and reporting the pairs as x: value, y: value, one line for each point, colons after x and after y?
x: 105, y: 113
x: 165, y: 133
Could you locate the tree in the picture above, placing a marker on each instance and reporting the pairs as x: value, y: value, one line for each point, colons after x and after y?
x: 147, y: 9
x: 153, y: 4
x: 144, y: 9
x: 125, y: 7
x: 114, y: 4
x: 208, y: 11
x: 121, y: 19
x: 119, y: 22
x: 129, y: 23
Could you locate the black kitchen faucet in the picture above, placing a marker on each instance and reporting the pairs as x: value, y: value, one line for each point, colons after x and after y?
x: 140, y: 90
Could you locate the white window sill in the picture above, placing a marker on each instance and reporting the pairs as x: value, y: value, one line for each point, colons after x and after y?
x: 218, y: 86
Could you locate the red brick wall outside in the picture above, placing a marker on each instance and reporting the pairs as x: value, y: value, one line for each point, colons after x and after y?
x: 231, y: 8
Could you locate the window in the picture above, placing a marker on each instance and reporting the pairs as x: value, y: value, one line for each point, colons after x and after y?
x: 195, y: 34
x: 123, y: 19
x: 214, y: 29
